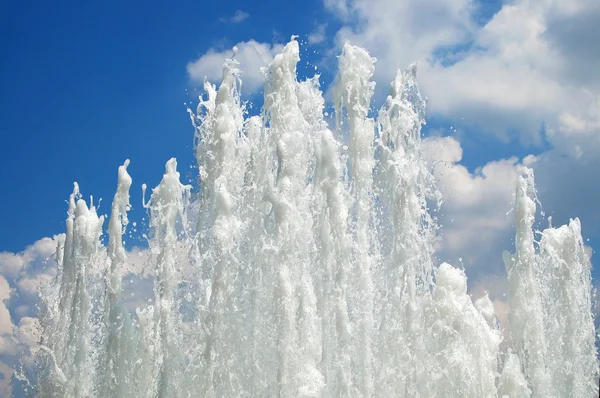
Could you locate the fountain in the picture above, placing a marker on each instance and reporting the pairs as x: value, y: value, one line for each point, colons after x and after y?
x: 305, y: 267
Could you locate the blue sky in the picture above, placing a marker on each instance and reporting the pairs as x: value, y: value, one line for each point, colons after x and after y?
x: 86, y: 85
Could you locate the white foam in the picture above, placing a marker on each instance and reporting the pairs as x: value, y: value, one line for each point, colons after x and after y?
x: 305, y: 266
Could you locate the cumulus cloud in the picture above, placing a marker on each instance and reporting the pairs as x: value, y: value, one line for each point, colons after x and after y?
x: 516, y: 72
x: 6, y: 324
x: 25, y: 272
x: 401, y: 32
x: 252, y: 56
x: 13, y: 264
x: 21, y: 275
x: 513, y: 77
x: 476, y: 215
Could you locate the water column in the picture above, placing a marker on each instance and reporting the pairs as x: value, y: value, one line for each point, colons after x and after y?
x: 332, y: 259
x: 352, y: 97
x: 461, y: 344
x: 512, y: 382
x: 120, y: 368
x: 57, y: 314
x: 81, y: 260
x: 565, y: 282
x: 407, y: 231
x: 526, y: 322
x: 309, y: 272
x: 299, y: 336
x: 166, y: 205
x: 261, y: 261
x: 221, y: 154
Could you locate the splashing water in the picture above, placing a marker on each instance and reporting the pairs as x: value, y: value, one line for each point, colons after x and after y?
x: 305, y: 267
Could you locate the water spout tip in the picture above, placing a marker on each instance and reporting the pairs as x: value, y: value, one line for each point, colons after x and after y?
x: 171, y: 166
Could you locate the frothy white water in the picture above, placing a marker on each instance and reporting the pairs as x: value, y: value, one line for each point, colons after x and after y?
x: 305, y: 267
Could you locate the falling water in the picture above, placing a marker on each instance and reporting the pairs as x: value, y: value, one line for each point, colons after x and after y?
x: 305, y: 267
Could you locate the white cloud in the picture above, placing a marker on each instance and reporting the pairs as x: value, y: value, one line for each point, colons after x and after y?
x: 521, y: 69
x: 12, y: 264
x: 401, y: 32
x: 252, y: 56
x: 476, y: 215
x: 510, y: 80
x: 21, y: 275
x: 6, y: 325
x: 25, y: 272
x: 237, y: 17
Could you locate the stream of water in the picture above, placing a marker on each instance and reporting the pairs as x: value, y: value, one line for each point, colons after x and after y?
x: 305, y: 266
